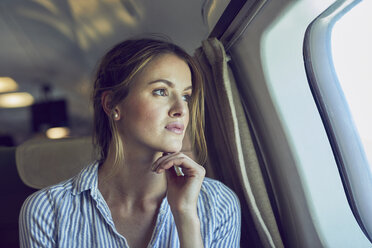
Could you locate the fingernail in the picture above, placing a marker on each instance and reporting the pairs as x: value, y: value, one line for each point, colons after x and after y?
x: 179, y: 171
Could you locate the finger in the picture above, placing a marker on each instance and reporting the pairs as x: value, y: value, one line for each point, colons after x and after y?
x: 160, y: 160
x: 188, y: 166
x: 177, y: 169
x: 169, y: 163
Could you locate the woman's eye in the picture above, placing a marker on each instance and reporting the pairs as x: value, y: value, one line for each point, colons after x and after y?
x: 160, y: 92
x: 187, y: 98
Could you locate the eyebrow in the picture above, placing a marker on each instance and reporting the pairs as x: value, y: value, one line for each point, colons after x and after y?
x: 169, y: 83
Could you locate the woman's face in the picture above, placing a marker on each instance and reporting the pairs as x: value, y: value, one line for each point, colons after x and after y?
x: 155, y: 114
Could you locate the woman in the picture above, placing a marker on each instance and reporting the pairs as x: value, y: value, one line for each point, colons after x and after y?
x: 142, y: 192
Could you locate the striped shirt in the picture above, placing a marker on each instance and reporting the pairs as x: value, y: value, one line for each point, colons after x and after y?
x: 75, y: 214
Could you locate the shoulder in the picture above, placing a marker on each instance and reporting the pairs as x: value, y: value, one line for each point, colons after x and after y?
x: 45, y: 199
x: 53, y: 196
x: 221, y: 201
x: 219, y: 193
x: 42, y: 212
x: 221, y: 205
x: 37, y: 218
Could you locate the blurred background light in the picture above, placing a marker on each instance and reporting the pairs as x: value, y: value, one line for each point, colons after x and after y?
x: 57, y: 132
x: 7, y: 84
x: 16, y: 100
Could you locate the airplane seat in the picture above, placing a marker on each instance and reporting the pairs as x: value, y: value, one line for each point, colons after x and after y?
x: 13, y: 193
x: 33, y: 165
x: 38, y: 163
x: 41, y: 163
x: 44, y: 162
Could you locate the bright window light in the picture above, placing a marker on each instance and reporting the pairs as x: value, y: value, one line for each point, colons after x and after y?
x: 352, y: 55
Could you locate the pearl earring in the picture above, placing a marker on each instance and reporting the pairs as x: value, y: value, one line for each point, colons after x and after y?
x: 116, y: 115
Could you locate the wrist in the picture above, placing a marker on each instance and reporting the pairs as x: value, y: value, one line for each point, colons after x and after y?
x: 188, y: 228
x: 183, y: 216
x: 185, y: 211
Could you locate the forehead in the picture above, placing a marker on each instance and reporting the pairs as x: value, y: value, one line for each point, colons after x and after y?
x: 165, y: 66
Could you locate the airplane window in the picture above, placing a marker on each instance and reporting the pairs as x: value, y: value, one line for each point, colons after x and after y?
x: 351, y: 41
x: 338, y: 61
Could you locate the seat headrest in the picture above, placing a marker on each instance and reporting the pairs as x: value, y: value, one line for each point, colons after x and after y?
x: 44, y: 162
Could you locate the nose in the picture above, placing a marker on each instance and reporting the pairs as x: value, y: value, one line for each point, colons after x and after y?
x: 178, y: 108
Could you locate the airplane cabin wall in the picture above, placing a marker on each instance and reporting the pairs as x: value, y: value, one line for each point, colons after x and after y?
x: 268, y: 62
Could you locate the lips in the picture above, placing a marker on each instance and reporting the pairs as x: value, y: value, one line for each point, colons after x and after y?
x: 175, y: 127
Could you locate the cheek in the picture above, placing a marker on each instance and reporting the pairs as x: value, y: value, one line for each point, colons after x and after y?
x: 187, y: 118
x: 145, y: 113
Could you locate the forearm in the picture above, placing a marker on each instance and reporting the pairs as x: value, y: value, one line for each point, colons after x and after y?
x: 188, y: 228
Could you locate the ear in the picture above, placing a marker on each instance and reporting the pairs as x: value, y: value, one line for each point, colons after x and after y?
x: 112, y: 112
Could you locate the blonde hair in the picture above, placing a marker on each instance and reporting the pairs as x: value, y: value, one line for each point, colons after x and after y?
x: 115, y: 73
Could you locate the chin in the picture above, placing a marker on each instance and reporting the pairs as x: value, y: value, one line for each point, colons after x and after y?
x: 168, y: 145
x: 173, y: 149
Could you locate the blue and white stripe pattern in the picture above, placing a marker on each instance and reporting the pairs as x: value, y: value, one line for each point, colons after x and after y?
x: 74, y: 214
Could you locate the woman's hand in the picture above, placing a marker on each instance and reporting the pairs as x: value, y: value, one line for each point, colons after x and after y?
x: 182, y: 194
x: 182, y: 191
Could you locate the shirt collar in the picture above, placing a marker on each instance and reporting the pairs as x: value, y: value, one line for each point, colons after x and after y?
x: 86, y: 179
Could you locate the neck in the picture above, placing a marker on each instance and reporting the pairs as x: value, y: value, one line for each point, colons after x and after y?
x: 132, y: 182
